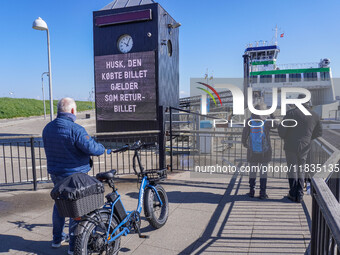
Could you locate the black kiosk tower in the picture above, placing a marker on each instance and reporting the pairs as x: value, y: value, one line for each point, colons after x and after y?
x: 136, y: 53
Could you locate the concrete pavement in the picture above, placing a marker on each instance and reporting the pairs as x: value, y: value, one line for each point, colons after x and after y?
x: 208, y: 215
x: 34, y: 125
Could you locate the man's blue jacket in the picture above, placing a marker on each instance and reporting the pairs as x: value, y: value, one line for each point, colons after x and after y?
x: 68, y: 147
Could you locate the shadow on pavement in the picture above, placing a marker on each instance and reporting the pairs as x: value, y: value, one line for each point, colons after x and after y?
x: 187, y: 197
x: 29, y: 227
x: 207, y: 239
x: 10, y: 244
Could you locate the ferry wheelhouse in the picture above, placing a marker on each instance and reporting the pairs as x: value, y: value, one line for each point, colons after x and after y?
x: 265, y: 74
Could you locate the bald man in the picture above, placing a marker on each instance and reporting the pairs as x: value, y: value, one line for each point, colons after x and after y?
x: 68, y: 148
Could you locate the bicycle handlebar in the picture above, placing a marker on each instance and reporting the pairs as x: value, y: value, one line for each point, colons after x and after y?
x: 136, y: 146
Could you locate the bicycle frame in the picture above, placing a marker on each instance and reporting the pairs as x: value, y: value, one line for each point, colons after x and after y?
x: 126, y: 230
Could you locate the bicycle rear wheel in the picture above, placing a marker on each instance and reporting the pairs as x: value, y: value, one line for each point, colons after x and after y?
x: 91, y: 236
x: 156, y: 213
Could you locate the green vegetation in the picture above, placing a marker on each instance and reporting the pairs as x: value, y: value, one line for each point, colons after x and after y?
x: 22, y: 107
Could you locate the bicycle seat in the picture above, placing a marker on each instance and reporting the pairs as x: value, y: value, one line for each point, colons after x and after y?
x: 106, y: 175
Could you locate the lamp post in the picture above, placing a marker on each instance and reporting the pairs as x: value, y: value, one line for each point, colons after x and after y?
x: 42, y: 81
x: 40, y: 24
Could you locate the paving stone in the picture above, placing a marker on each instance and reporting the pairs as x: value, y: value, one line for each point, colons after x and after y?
x: 152, y: 250
x: 220, y: 247
x: 173, y: 238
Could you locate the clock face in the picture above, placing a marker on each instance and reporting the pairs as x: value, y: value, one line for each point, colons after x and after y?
x: 125, y: 43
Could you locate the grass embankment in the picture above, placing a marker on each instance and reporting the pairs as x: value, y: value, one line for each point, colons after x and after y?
x: 22, y: 107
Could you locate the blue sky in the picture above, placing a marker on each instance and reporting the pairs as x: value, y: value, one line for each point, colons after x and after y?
x: 213, y: 35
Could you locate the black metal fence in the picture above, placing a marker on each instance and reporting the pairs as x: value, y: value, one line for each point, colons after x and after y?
x: 23, y: 159
x: 191, y: 146
x: 122, y: 161
x: 191, y: 150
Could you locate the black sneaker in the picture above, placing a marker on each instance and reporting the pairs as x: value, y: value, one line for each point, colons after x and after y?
x: 251, y: 193
x: 293, y: 199
x: 299, y: 200
x: 263, y: 197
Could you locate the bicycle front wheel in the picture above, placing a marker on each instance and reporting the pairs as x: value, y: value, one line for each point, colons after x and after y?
x: 156, y: 213
x: 91, y: 236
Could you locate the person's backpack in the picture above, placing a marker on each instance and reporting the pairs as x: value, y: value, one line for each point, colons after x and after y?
x: 257, y: 138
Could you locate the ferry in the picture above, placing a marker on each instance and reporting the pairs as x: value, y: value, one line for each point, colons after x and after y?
x: 264, y: 74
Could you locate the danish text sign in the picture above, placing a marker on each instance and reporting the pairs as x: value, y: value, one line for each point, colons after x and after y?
x: 126, y: 86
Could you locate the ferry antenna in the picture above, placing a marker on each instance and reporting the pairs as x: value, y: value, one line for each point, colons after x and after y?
x: 276, y: 35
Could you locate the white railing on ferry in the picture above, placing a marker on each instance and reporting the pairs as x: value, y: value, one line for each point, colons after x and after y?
x: 297, y: 66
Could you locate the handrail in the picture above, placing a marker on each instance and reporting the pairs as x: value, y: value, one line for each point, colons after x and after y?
x: 329, y: 207
x: 323, y: 143
x: 194, y: 113
x: 205, y: 132
x: 325, y: 206
x: 333, y: 159
x: 95, y: 134
x: 127, y: 133
x: 19, y: 137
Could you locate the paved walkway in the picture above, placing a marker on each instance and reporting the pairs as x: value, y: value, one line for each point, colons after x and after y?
x: 35, y: 125
x: 208, y: 215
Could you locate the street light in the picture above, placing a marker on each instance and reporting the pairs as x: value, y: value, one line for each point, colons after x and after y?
x: 42, y: 81
x: 40, y: 24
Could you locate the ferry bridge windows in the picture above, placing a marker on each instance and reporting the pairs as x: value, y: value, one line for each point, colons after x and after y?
x: 265, y: 78
x: 253, y: 79
x: 310, y: 76
x: 294, y: 77
x: 280, y: 77
x: 324, y: 76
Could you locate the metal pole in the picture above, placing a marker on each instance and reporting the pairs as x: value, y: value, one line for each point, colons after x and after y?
x: 170, y: 138
x: 92, y: 98
x: 246, y: 79
x: 34, y: 170
x: 50, y: 73
x: 161, y: 138
x: 42, y: 80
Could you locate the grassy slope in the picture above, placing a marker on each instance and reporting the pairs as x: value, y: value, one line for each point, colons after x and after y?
x: 22, y: 107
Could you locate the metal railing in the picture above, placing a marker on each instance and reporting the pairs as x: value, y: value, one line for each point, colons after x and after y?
x: 23, y: 159
x: 298, y: 65
x: 192, y: 149
x: 325, y: 238
x: 191, y: 146
x: 122, y: 161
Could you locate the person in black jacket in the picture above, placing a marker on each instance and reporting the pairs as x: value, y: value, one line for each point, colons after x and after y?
x: 258, y: 159
x: 297, y: 144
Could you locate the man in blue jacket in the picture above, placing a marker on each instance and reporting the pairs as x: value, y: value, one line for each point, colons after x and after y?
x: 68, y: 148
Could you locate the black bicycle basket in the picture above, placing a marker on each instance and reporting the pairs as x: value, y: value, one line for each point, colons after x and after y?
x: 153, y: 175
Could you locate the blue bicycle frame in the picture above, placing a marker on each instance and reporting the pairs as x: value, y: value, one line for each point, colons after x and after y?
x: 110, y: 237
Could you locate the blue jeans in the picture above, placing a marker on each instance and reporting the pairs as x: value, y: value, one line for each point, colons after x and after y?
x: 59, y: 222
x: 263, y: 178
